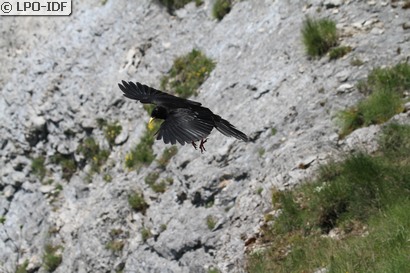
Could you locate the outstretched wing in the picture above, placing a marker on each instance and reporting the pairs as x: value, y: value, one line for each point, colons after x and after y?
x: 185, y: 125
x: 146, y: 94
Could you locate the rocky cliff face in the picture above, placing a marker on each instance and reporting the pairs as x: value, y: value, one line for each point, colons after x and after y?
x: 59, y: 76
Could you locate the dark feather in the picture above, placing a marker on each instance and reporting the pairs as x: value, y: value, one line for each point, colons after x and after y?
x: 185, y: 121
x: 146, y: 94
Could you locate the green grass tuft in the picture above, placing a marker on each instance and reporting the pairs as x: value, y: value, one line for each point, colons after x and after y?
x: 188, y: 73
x: 394, y: 79
x: 364, y: 199
x: 395, y: 143
x: 51, y: 260
x: 137, y: 202
x: 339, y: 52
x: 142, y: 154
x: 319, y: 36
x: 356, y: 62
x: 67, y: 163
x: 145, y: 234
x: 273, y: 131
x: 151, y: 178
x: 173, y: 5
x: 158, y: 187
x: 115, y: 245
x: 166, y: 156
x: 221, y: 8
x: 107, y: 177
x: 111, y: 131
x: 213, y: 270
x: 22, y: 268
x: 93, y: 154
x: 38, y: 167
x: 210, y: 222
x: 385, y: 88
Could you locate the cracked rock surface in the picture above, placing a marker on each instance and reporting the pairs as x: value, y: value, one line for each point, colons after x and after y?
x: 59, y: 76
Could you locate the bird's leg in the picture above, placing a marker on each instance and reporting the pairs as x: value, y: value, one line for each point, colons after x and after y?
x: 193, y: 144
x: 201, y: 145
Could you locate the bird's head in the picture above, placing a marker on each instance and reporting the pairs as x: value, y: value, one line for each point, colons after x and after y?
x: 158, y: 113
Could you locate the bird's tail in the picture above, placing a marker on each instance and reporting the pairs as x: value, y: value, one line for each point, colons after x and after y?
x: 228, y: 129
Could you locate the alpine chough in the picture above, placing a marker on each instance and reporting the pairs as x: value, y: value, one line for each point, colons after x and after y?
x: 185, y: 121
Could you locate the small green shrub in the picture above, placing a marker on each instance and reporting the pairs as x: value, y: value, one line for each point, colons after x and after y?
x: 380, y: 107
x: 319, y: 36
x: 93, y: 154
x: 22, y: 268
x: 137, y: 202
x: 166, y: 156
x: 88, y: 148
x: 151, y: 178
x: 115, y: 232
x: 385, y: 87
x: 163, y: 227
x: 57, y: 189
x: 67, y: 163
x: 261, y: 151
x: 273, y: 131
x: 38, y: 167
x: 377, y: 108
x: 210, y: 202
x: 173, y: 5
x: 188, y: 73
x: 115, y: 245
x: 392, y: 79
x: 339, y: 52
x: 169, y: 180
x: 145, y: 234
x: 107, y: 177
x: 143, y: 154
x: 356, y: 62
x: 221, y: 8
x: 2, y: 219
x: 101, y: 122
x: 210, y: 222
x: 213, y: 270
x: 111, y: 131
x: 51, y: 260
x: 158, y: 187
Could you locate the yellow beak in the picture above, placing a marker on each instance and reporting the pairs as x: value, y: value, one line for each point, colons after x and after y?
x: 150, y: 124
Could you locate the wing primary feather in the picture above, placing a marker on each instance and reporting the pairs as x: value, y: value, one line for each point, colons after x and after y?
x: 201, y: 130
x: 195, y: 135
x: 165, y: 136
x: 187, y: 136
x: 172, y: 136
x: 176, y: 134
x: 159, y: 134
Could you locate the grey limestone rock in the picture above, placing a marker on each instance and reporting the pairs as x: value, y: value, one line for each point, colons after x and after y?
x: 59, y: 75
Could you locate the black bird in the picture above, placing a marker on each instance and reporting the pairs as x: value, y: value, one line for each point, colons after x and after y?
x: 185, y: 121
